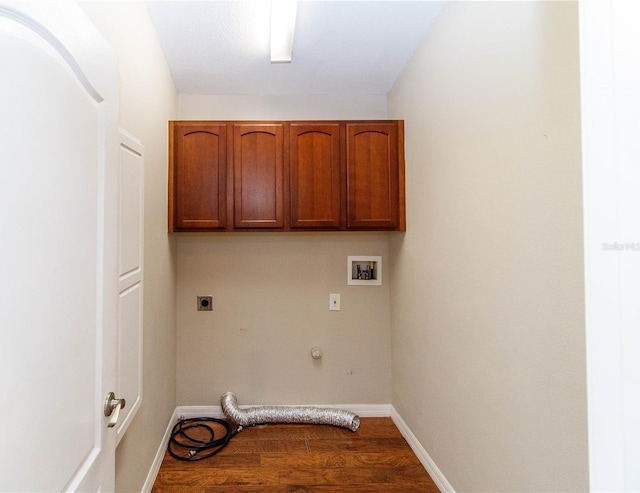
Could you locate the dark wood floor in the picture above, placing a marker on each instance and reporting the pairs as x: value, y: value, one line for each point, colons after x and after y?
x: 303, y: 458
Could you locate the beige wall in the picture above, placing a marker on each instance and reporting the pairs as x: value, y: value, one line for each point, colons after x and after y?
x: 487, y: 289
x: 147, y: 100
x: 271, y: 306
x: 271, y: 294
x: 307, y: 107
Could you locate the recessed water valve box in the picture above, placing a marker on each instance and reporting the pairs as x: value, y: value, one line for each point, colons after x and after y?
x: 205, y: 303
x: 364, y: 270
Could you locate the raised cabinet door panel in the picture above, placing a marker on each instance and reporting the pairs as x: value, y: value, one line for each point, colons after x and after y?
x: 315, y: 180
x: 258, y: 180
x: 199, y: 174
x: 372, y: 176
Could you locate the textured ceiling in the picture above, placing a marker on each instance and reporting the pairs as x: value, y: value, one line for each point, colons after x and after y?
x: 340, y: 47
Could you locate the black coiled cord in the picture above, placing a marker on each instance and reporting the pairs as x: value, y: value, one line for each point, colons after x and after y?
x: 193, y: 447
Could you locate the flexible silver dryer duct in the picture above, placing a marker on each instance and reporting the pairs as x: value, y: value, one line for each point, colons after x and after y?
x: 286, y: 414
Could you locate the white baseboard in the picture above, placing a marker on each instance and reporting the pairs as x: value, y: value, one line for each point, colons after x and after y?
x: 157, y: 461
x: 362, y: 410
x: 441, y: 482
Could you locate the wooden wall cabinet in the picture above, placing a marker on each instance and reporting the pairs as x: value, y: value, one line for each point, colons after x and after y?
x: 286, y: 176
x: 373, y: 179
x: 258, y: 175
x: 197, y: 177
x: 315, y: 175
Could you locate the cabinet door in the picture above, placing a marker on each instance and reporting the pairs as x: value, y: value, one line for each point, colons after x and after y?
x: 372, y: 176
x: 258, y: 168
x: 315, y: 175
x: 198, y: 171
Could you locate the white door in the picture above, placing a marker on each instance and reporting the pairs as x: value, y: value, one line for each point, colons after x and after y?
x: 58, y: 248
x: 130, y: 277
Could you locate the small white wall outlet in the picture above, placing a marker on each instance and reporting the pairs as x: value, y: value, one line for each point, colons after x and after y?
x: 334, y: 301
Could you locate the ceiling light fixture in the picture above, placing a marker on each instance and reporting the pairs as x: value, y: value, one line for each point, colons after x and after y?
x: 283, y: 23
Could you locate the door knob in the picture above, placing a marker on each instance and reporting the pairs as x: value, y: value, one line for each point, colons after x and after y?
x: 112, y: 408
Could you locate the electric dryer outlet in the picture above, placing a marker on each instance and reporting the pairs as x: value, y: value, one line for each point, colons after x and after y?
x: 205, y: 303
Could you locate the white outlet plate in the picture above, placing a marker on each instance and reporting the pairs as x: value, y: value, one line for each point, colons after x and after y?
x: 334, y: 301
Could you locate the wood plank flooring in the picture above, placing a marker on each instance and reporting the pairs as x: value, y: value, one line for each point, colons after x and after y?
x: 303, y: 458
